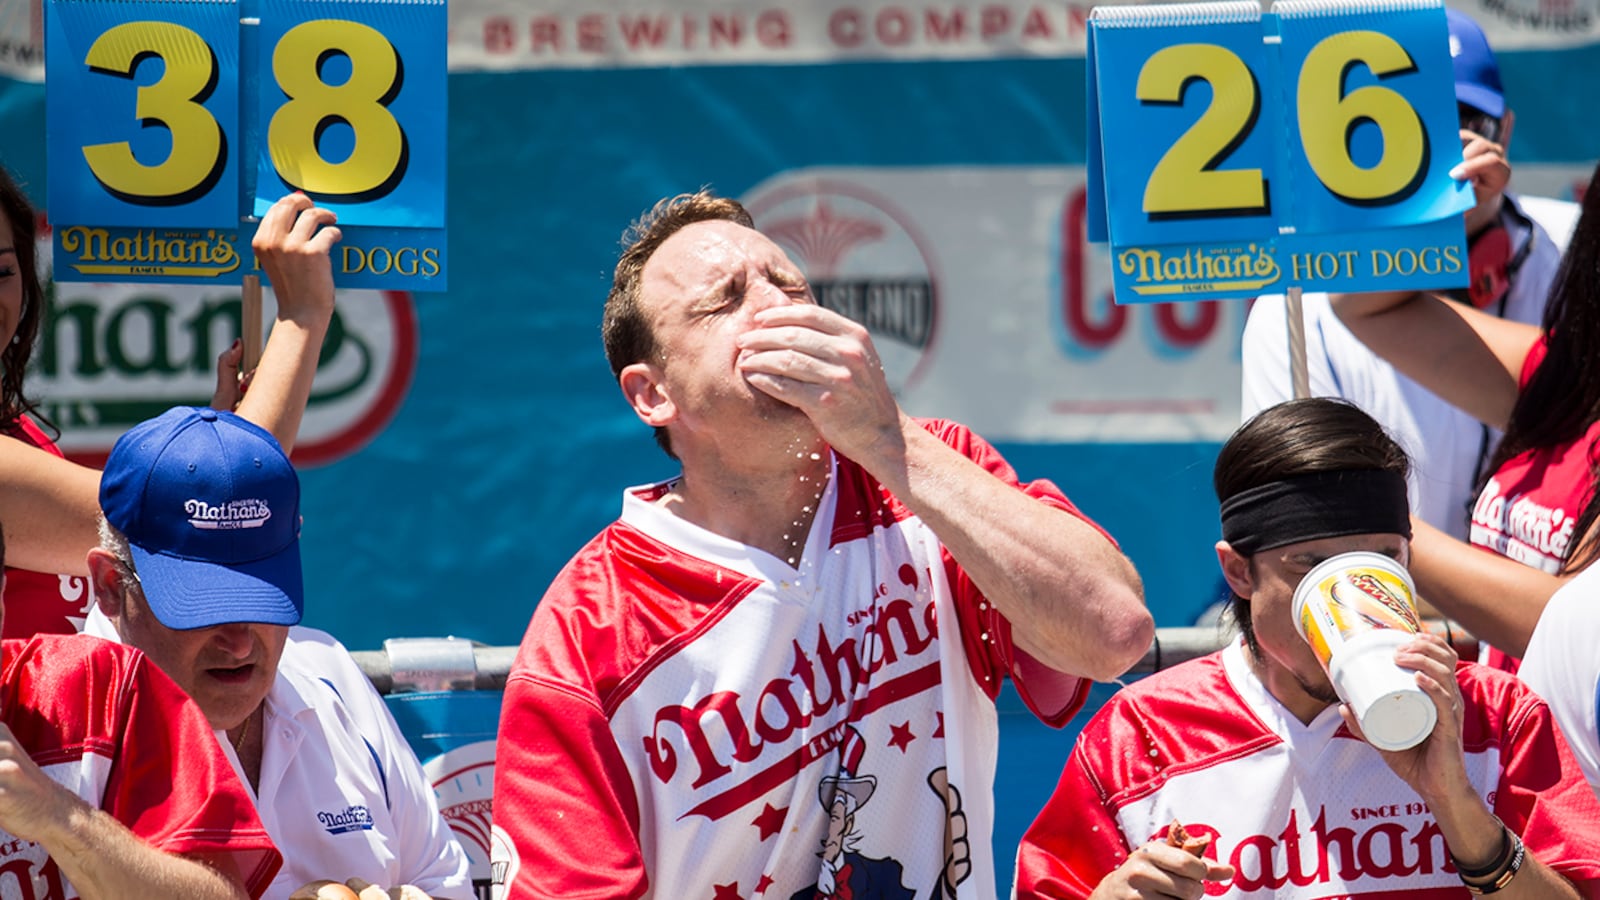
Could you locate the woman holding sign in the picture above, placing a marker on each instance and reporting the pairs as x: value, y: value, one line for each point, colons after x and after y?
x: 52, y: 505
x: 1538, y: 508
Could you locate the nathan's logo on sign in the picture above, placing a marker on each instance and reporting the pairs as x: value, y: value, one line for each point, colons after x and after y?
x: 110, y: 356
x: 1156, y: 271
x: 110, y: 252
x: 864, y: 260
x: 228, y: 516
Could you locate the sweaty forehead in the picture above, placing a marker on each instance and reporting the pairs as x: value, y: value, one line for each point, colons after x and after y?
x: 702, y: 253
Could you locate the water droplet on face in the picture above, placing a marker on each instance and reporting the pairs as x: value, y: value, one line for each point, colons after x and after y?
x: 816, y: 456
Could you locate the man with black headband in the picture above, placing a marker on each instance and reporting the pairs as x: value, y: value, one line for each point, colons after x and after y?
x: 1251, y: 749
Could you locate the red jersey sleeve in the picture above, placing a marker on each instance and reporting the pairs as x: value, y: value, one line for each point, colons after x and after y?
x: 563, y: 797
x: 986, y: 634
x: 172, y: 785
x: 1543, y: 796
x: 1075, y: 841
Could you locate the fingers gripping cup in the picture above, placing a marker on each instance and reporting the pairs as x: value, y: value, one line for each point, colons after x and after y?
x: 1356, y: 610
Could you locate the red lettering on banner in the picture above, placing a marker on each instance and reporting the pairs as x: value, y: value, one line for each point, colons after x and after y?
x: 1084, y: 329
x: 772, y: 29
x: 844, y: 27
x: 894, y: 27
x: 545, y: 32
x: 939, y: 29
x: 1186, y: 335
x: 640, y: 31
x: 724, y: 29
x: 714, y: 730
x: 901, y: 27
x: 499, y: 35
x: 592, y: 33
x: 1037, y: 25
x: 996, y: 20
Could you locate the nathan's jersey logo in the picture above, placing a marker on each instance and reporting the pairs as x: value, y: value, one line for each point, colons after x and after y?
x: 1408, y: 846
x: 863, y: 259
x: 112, y: 355
x: 352, y: 818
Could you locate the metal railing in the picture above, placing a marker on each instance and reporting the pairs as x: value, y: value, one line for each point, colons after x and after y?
x: 437, y: 664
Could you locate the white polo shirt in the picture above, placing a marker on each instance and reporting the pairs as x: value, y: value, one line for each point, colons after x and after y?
x: 347, y: 796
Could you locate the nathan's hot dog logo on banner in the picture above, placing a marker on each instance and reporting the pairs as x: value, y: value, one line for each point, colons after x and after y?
x: 1234, y: 152
x: 173, y: 124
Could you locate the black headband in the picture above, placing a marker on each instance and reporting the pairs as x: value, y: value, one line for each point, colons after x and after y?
x: 1318, y: 505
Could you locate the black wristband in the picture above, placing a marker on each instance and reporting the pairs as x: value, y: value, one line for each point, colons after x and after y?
x: 1502, y: 878
x: 1498, y: 861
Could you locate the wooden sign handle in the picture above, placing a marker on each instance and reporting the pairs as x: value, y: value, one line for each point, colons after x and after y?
x: 250, y: 323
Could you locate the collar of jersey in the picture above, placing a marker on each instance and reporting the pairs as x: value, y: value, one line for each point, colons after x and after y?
x: 1272, y: 713
x: 687, y: 537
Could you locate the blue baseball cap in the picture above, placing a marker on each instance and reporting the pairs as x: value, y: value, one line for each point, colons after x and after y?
x: 1477, y: 73
x: 211, y: 509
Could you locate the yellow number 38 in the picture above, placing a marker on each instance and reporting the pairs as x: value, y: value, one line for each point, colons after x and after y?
x: 199, y: 146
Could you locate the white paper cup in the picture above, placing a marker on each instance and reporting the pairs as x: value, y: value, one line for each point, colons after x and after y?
x: 1355, y: 610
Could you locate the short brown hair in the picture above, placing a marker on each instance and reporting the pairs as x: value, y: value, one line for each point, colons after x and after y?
x: 623, y: 325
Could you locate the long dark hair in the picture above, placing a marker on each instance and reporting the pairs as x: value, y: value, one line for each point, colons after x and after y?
x: 1562, y: 398
x: 1300, y: 437
x: 14, y: 355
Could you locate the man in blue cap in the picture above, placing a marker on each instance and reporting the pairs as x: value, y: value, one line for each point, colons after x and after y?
x: 199, y: 567
x: 1515, y: 246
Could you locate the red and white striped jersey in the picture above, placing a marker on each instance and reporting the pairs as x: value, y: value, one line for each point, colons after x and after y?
x: 103, y: 721
x: 687, y: 712
x: 1299, y: 810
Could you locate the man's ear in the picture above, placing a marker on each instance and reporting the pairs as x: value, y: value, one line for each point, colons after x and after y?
x: 106, y: 574
x: 1235, y: 569
x: 1506, y: 121
x: 643, y: 385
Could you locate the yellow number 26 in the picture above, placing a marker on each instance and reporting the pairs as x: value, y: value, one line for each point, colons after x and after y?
x: 1187, y: 181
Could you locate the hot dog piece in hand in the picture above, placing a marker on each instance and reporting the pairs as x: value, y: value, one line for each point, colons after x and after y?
x: 1177, y: 836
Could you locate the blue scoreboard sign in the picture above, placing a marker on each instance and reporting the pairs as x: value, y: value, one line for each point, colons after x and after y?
x: 1235, y: 152
x: 173, y: 124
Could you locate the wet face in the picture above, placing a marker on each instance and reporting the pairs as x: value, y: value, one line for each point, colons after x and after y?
x: 1268, y: 580
x: 227, y: 669
x: 700, y: 291
x: 10, y: 283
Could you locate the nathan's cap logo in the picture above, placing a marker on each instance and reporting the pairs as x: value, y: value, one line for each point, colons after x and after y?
x: 230, y: 515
